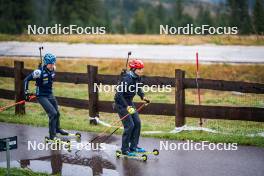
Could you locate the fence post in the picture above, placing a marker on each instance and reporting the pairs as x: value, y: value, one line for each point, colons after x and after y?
x: 93, y: 93
x: 179, y: 98
x: 19, y: 86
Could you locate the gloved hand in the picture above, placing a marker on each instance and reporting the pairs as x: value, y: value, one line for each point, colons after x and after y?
x: 131, y: 110
x: 28, y: 95
x: 146, y: 100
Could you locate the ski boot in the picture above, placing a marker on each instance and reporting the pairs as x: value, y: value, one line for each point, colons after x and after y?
x: 129, y: 153
x: 138, y: 150
x: 143, y: 151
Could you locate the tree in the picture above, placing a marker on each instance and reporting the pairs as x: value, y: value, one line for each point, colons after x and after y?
x: 239, y: 16
x: 258, y: 17
x: 204, y: 17
x: 81, y: 12
x: 160, y: 12
x: 107, y: 22
x: 222, y: 17
x: 178, y: 12
x: 139, y: 23
x: 15, y: 15
x: 41, y: 13
x: 151, y: 20
x: 178, y: 17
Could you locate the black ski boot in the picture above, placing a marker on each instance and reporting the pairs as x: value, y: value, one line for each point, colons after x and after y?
x: 62, y: 132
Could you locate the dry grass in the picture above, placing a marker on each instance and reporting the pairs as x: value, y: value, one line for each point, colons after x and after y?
x: 141, y: 39
x: 249, y: 73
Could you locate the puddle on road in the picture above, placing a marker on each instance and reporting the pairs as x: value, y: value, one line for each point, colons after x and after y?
x: 64, y: 169
x: 85, y: 163
x: 67, y: 165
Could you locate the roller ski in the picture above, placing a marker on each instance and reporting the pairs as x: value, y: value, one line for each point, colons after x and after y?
x: 56, y: 140
x: 131, y: 155
x: 143, y: 151
x: 65, y: 133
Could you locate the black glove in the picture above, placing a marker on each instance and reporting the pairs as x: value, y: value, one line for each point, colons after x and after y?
x: 146, y: 100
x: 123, y: 72
x: 28, y: 95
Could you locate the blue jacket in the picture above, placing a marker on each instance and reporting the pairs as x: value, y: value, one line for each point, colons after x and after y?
x: 129, y: 85
x: 44, y: 80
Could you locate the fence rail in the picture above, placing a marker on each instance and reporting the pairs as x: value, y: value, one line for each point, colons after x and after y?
x: 180, y: 110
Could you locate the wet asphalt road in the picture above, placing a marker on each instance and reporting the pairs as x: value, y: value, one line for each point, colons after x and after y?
x: 160, y: 53
x: 243, y: 162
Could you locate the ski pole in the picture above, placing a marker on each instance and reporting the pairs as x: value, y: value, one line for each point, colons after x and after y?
x: 40, y: 55
x: 119, y: 120
x: 124, y: 70
x: 128, y: 54
x: 197, y: 84
x: 17, y: 103
x: 107, y: 137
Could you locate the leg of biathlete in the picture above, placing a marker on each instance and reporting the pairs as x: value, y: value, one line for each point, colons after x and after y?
x: 54, y: 102
x: 52, y: 113
x: 136, y: 131
x: 128, y: 128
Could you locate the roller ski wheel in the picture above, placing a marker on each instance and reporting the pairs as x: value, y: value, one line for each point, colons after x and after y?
x: 68, y: 145
x: 156, y: 152
x: 78, y: 135
x: 144, y: 157
x: 46, y: 140
x: 118, y: 153
x: 69, y: 149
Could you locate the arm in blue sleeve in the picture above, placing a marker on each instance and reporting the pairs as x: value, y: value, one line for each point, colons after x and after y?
x: 34, y: 75
x: 26, y: 81
x: 120, y: 91
x: 140, y: 92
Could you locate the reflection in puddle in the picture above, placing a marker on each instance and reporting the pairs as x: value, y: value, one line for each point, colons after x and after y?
x: 66, y: 164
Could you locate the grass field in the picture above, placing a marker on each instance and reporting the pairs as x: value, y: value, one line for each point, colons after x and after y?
x: 77, y: 119
x: 21, y: 172
x: 141, y: 39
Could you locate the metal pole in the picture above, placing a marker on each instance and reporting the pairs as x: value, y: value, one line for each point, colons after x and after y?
x: 7, y: 157
x: 197, y: 84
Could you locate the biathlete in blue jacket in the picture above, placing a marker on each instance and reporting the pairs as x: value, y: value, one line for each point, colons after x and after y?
x: 129, y: 86
x: 44, y: 77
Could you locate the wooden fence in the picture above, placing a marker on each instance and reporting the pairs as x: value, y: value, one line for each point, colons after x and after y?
x: 180, y: 110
